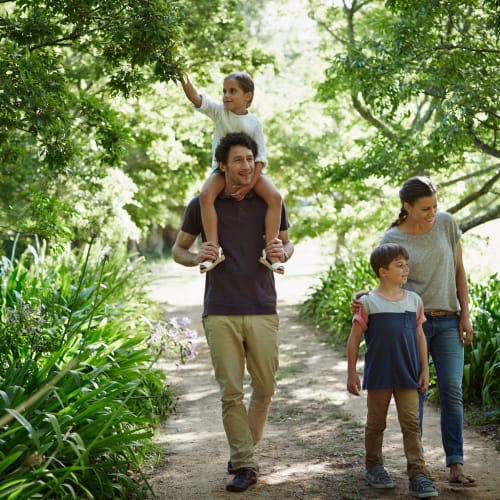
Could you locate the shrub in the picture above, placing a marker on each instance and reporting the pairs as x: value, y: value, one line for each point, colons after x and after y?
x: 481, y: 383
x: 328, y: 306
x: 329, y: 302
x: 79, y: 391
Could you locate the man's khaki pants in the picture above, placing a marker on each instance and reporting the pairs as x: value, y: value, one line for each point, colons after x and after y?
x: 234, y: 341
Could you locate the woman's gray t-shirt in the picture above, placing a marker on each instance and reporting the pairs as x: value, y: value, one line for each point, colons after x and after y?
x: 432, y: 262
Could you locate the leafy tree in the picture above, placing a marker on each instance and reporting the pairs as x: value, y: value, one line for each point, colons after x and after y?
x: 67, y: 66
x: 424, y: 80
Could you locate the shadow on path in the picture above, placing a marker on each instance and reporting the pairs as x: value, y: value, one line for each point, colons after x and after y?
x: 313, y: 445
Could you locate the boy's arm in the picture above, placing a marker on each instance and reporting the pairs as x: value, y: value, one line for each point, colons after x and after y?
x: 353, y: 382
x: 191, y: 93
x: 240, y: 193
x: 423, y: 379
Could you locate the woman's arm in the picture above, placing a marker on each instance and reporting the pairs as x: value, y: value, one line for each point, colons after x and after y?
x: 465, y: 326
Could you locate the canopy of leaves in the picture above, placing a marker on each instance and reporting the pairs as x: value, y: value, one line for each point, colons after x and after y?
x: 425, y: 81
x: 97, y: 137
x: 64, y: 65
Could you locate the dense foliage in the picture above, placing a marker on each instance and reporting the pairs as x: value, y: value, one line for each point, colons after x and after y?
x: 68, y: 67
x: 80, y: 394
x: 423, y: 81
x: 482, y: 359
x: 97, y: 137
x: 328, y: 306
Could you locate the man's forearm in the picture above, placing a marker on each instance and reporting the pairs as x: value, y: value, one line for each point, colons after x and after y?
x: 184, y: 256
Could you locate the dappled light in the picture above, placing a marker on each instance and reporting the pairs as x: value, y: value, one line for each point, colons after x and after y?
x: 100, y: 154
x: 313, y: 443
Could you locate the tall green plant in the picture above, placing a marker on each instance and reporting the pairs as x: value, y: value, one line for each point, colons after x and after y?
x: 329, y: 302
x: 79, y: 392
x: 481, y: 383
x: 328, y: 307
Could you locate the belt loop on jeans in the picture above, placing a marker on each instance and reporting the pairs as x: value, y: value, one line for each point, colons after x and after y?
x: 437, y: 313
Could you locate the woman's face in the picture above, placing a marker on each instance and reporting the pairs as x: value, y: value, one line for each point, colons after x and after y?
x: 423, y: 210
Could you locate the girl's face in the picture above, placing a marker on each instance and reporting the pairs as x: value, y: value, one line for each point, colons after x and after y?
x: 234, y: 98
x: 423, y: 211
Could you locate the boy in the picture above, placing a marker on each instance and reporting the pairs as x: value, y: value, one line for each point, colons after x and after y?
x: 395, y: 364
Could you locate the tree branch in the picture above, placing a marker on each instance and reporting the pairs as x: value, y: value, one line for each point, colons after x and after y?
x: 420, y: 120
x: 463, y: 47
x: 486, y: 188
x: 491, y: 214
x: 60, y: 41
x: 367, y: 115
x: 482, y: 145
x: 466, y: 177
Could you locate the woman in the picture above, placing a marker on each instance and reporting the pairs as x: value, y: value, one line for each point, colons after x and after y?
x: 437, y: 274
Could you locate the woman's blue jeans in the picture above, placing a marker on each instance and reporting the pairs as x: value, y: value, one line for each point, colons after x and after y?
x: 447, y: 353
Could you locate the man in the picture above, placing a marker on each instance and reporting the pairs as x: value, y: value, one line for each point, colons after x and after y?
x: 239, y: 314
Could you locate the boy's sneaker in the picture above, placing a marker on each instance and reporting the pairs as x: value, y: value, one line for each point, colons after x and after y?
x: 422, y: 487
x: 378, y: 477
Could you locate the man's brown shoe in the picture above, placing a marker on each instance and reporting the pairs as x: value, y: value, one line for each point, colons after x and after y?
x: 242, y: 480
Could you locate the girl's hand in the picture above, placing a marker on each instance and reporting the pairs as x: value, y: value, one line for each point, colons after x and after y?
x: 240, y: 193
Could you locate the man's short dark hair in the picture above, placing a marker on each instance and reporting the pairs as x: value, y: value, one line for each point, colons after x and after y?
x: 234, y: 139
x: 384, y: 254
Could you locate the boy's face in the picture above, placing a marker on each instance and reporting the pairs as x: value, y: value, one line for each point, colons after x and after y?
x: 397, y: 272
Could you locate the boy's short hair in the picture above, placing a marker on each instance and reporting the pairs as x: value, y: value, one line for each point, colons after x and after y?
x: 384, y: 254
x: 234, y: 139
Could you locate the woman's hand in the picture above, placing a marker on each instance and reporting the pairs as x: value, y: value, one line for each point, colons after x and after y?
x: 355, y: 303
x: 465, y: 330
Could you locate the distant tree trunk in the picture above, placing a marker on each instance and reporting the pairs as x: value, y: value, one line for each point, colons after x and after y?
x: 158, y: 242
x: 339, y: 244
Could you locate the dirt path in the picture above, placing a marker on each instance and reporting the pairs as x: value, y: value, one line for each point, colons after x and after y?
x: 313, y: 445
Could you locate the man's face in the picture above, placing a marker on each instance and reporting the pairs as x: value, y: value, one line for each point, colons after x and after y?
x: 240, y: 166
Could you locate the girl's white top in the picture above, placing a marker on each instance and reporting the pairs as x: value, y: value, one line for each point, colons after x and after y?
x: 227, y: 122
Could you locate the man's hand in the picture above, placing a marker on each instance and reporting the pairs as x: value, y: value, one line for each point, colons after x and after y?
x: 275, y: 251
x: 208, y: 251
x: 355, y: 303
